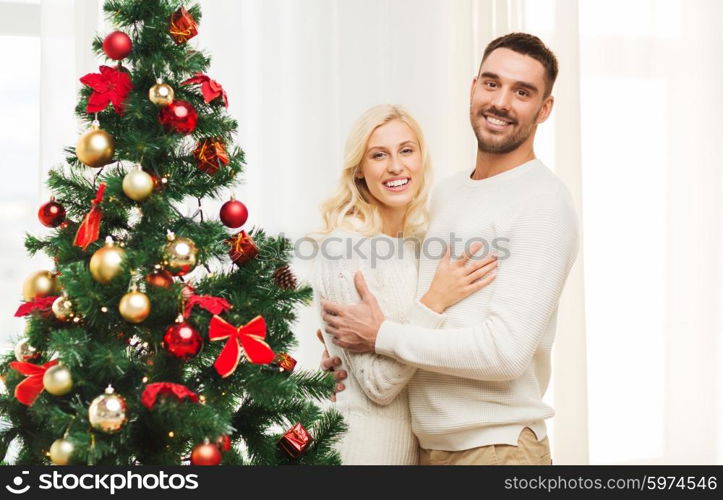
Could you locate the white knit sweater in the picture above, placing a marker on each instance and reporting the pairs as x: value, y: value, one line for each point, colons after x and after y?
x: 375, y: 402
x: 482, y: 377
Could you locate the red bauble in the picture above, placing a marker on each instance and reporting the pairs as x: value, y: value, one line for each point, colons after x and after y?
x: 234, y: 213
x: 206, y: 454
x: 223, y: 442
x: 161, y: 279
x: 179, y: 116
x: 117, y: 45
x: 51, y: 214
x: 182, y: 341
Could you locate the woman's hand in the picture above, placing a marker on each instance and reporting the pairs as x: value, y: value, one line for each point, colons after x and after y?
x: 456, y: 280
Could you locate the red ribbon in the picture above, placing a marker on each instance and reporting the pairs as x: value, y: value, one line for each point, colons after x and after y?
x: 41, y: 304
x: 89, y: 230
x: 152, y: 391
x: 214, y: 305
x: 29, y: 389
x: 248, y: 338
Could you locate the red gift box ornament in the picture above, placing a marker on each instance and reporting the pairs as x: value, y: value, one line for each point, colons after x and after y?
x: 285, y: 362
x: 153, y: 391
x: 295, y: 441
x: 243, y: 248
x: 183, y: 26
x: 210, y: 89
x: 29, y: 389
x: 210, y: 154
x: 248, y: 339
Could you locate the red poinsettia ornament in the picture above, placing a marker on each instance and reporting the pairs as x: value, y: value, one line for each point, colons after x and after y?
x: 29, y: 389
x: 153, y: 391
x: 111, y: 85
x: 210, y: 89
x: 214, y: 305
x: 42, y: 304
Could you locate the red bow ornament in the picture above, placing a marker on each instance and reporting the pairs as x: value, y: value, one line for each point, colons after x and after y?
x: 29, y: 389
x: 152, y: 391
x: 248, y: 338
x: 89, y: 230
x: 210, y: 89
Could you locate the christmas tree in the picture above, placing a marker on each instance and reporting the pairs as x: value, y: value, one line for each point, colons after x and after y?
x: 159, y: 337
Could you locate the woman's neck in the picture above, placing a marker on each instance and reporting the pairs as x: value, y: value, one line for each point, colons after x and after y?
x: 392, y: 221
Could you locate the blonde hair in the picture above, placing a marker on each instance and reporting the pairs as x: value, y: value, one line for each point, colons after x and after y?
x: 352, y: 206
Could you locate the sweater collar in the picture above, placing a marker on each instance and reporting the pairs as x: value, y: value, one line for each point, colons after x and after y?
x: 503, y: 177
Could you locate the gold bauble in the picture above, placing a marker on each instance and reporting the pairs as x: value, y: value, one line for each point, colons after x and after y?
x: 63, y: 308
x: 108, y: 412
x: 138, y: 185
x: 58, y: 380
x: 134, y: 307
x: 24, y: 351
x: 39, y: 284
x: 107, y: 262
x: 61, y: 451
x: 95, y: 148
x: 180, y: 255
x: 161, y: 94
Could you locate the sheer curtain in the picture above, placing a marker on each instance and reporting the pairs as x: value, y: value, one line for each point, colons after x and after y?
x: 637, y: 371
x: 632, y: 136
x: 47, y: 44
x: 650, y: 104
x: 301, y: 72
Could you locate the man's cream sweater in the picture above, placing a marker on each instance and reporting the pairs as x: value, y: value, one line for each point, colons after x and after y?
x: 483, y: 374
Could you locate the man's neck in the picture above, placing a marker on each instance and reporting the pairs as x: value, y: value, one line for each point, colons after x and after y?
x: 489, y: 164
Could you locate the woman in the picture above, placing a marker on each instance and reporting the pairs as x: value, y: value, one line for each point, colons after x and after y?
x: 373, y: 225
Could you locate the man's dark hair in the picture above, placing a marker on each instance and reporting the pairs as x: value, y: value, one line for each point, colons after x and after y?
x: 528, y: 45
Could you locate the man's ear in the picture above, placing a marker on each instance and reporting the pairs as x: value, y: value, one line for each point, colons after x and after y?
x: 546, y: 109
x: 471, y: 89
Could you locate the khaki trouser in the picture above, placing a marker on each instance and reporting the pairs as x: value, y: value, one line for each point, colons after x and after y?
x: 529, y: 451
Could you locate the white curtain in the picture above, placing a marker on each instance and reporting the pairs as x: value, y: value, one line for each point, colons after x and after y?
x: 67, y: 28
x: 637, y: 368
x: 300, y: 72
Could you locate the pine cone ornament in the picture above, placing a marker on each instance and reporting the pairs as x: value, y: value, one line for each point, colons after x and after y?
x: 284, y: 278
x: 138, y: 348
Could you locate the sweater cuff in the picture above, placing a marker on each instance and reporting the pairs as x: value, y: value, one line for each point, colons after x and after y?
x: 421, y: 315
x: 386, y: 336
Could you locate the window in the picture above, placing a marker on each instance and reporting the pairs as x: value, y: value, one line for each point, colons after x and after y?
x: 19, y: 157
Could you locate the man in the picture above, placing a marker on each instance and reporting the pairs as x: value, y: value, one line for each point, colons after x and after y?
x: 484, y: 364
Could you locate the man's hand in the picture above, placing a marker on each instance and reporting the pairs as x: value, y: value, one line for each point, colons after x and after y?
x: 354, y: 327
x: 329, y: 364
